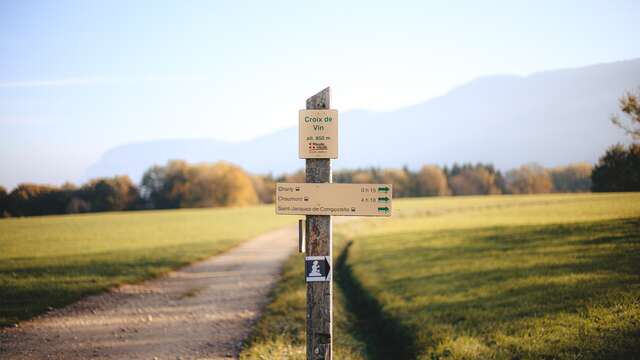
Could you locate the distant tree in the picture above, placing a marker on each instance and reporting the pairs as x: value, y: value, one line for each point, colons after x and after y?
x: 473, y: 180
x: 3, y: 203
x: 618, y: 170
x: 34, y: 199
x: 399, y: 179
x: 164, y: 187
x: 296, y: 177
x: 431, y: 181
x: 56, y: 201
x: 69, y: 186
x: 457, y: 169
x: 110, y: 194
x: 630, y: 106
x: 529, y: 179
x: 77, y: 206
x: 571, y: 178
x: 404, y: 181
x: 363, y: 177
x: 265, y: 188
x: 343, y: 176
x: 219, y: 184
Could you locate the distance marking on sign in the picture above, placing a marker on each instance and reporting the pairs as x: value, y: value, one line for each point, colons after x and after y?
x: 334, y: 199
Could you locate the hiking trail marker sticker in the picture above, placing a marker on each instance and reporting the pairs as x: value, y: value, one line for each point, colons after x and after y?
x: 318, y: 134
x: 317, y: 268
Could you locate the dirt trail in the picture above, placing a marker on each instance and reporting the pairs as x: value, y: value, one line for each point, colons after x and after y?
x: 202, y: 311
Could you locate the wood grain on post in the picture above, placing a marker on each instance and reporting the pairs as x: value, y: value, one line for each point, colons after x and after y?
x: 319, y: 238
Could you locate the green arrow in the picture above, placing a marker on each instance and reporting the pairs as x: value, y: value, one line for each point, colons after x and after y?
x: 383, y: 189
x: 385, y: 209
x: 383, y: 199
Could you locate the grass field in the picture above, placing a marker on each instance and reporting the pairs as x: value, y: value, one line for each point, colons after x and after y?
x: 52, y: 261
x: 501, y: 277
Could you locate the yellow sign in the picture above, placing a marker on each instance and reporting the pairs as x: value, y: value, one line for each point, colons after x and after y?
x: 333, y: 199
x: 318, y: 134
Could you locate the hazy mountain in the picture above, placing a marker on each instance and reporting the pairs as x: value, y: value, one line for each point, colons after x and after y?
x: 552, y: 118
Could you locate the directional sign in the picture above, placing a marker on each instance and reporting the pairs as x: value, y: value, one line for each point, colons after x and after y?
x: 317, y: 268
x: 333, y: 199
x: 318, y: 134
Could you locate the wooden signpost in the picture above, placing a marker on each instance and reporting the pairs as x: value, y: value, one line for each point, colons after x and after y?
x: 319, y: 199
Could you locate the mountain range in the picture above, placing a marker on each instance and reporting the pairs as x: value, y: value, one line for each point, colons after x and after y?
x: 552, y: 118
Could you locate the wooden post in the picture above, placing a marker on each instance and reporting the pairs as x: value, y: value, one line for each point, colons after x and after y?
x: 319, y: 239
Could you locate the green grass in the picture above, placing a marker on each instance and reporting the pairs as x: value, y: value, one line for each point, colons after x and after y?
x: 509, y: 277
x: 500, y: 277
x: 52, y: 261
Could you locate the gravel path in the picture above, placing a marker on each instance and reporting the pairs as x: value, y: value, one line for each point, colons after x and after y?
x: 202, y: 311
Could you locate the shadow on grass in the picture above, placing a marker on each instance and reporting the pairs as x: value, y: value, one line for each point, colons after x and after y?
x: 383, y: 336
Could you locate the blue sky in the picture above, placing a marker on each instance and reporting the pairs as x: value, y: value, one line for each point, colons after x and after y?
x: 79, y: 77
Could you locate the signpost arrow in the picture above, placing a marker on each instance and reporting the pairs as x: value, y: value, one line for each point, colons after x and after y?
x: 333, y: 199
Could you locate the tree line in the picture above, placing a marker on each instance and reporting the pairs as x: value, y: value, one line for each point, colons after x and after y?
x: 468, y: 179
x: 175, y: 185
x: 103, y: 194
x: 179, y: 184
